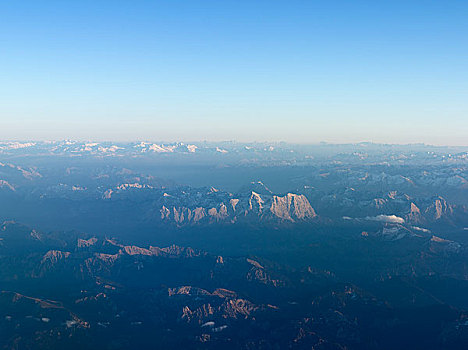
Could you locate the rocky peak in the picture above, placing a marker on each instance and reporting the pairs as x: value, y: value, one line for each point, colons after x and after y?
x: 439, y: 209
x: 414, y: 214
x: 195, y: 207
x: 53, y: 256
x: 291, y: 207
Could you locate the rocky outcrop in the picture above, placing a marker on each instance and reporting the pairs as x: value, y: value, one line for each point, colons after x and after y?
x: 6, y: 184
x: 439, y: 209
x: 414, y: 216
x: 53, y: 256
x: 84, y: 243
x: 292, y: 207
x: 227, y: 208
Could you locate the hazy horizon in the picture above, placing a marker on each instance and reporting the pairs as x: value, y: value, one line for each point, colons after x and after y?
x: 221, y: 141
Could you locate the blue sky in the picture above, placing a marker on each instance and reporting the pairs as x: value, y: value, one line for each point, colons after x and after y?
x: 297, y: 71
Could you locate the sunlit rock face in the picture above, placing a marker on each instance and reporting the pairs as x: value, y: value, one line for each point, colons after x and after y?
x: 227, y: 208
x: 438, y: 209
x: 292, y: 207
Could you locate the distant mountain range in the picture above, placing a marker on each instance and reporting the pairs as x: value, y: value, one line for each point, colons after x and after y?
x: 235, y: 246
x: 245, y: 153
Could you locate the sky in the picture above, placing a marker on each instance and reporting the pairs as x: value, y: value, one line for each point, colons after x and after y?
x: 295, y: 71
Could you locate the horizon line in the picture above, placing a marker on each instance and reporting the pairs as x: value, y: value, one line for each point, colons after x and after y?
x: 318, y: 143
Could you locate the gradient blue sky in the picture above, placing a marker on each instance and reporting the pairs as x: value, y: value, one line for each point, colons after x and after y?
x: 297, y: 71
